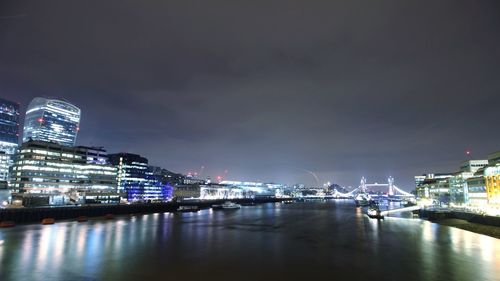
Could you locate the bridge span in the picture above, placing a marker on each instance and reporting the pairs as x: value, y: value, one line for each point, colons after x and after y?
x: 364, y: 187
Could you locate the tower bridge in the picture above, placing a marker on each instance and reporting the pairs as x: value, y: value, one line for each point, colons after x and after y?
x: 388, y: 189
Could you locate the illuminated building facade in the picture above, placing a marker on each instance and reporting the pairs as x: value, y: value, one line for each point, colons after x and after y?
x: 458, y: 188
x: 419, y: 180
x: 187, y: 191
x: 462, y: 190
x: 473, y: 166
x: 251, y: 189
x: 138, y: 180
x: 9, y: 137
x: 435, y: 187
x: 46, y: 173
x: 492, y: 179
x: 52, y: 121
x: 476, y: 192
x: 158, y: 185
x: 222, y: 191
x: 475, y: 187
x: 5, y: 164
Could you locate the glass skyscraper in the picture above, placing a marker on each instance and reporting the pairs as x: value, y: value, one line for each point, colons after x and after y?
x: 52, y: 121
x: 9, y: 137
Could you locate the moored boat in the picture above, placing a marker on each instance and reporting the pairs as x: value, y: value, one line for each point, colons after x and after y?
x: 374, y: 212
x: 228, y: 205
x: 48, y: 221
x: 82, y: 219
x: 188, y: 208
x: 7, y: 224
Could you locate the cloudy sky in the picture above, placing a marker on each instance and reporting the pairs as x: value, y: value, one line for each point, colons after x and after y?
x: 267, y: 89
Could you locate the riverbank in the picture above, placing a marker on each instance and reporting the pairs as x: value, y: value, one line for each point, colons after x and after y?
x: 493, y: 231
x: 482, y: 224
x: 36, y: 215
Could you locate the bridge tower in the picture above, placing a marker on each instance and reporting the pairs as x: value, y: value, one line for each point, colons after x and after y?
x: 362, y: 185
x: 390, y: 182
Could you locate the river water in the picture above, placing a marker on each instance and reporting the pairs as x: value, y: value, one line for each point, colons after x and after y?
x: 301, y: 241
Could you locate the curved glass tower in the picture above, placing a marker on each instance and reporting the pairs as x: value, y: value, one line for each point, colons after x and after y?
x: 51, y: 120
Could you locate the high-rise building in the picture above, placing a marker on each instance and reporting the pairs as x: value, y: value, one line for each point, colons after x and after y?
x: 138, y: 180
x: 46, y: 173
x: 51, y: 120
x: 9, y: 137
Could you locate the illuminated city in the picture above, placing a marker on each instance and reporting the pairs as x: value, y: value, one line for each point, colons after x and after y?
x: 274, y: 140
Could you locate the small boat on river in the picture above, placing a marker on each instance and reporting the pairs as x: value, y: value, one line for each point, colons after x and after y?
x: 374, y: 212
x: 188, y: 208
x: 228, y: 205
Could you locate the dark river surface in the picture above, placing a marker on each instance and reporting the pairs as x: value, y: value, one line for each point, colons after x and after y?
x: 302, y: 241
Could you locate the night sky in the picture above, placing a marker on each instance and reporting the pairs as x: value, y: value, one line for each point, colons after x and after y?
x: 267, y: 89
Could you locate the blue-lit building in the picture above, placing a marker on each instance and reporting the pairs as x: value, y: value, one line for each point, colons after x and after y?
x: 9, y: 137
x: 159, y: 182
x: 52, y: 121
x: 138, y: 180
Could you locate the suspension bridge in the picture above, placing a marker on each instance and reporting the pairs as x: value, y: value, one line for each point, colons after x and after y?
x: 381, y: 190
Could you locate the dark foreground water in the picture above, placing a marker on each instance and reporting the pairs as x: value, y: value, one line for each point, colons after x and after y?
x: 302, y: 241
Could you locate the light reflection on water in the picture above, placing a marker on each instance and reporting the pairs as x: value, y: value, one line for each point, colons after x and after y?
x: 285, y: 242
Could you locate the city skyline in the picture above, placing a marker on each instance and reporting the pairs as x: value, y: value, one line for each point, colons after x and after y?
x: 249, y: 140
x: 198, y: 173
x: 267, y: 107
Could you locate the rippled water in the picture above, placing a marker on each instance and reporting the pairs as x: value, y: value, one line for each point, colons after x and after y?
x: 300, y: 241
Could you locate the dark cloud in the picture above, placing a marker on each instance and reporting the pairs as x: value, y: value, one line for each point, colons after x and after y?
x: 267, y: 88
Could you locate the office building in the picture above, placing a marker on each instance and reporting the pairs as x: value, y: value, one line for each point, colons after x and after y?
x: 159, y: 185
x: 476, y: 192
x: 476, y: 186
x: 473, y: 166
x: 435, y: 187
x: 46, y: 173
x: 187, y: 191
x: 9, y: 137
x: 52, y: 121
x: 138, y: 180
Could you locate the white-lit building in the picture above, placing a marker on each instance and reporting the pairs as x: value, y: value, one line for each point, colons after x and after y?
x: 46, y: 173
x: 435, y: 187
x: 257, y: 188
x: 476, y: 192
x: 473, y: 166
x: 187, y: 191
